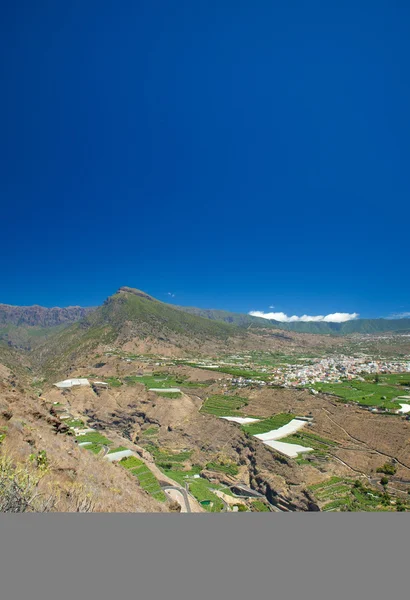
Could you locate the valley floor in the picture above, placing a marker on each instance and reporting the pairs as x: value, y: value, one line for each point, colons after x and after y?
x: 153, y: 433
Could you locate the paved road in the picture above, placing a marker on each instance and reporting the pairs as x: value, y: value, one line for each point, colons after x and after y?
x: 193, y: 502
x: 183, y: 493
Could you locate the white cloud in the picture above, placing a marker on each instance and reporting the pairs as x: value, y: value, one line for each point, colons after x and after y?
x: 284, y: 318
x: 271, y: 307
x: 171, y: 294
x: 400, y: 315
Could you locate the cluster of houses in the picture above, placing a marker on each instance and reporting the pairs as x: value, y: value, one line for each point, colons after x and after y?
x: 326, y: 370
x: 333, y: 370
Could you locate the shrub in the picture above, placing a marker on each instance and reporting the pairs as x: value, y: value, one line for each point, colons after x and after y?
x: 40, y: 459
x: 19, y: 489
x: 387, y: 469
x: 400, y: 507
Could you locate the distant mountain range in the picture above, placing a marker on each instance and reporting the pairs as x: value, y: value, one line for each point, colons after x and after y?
x: 355, y: 326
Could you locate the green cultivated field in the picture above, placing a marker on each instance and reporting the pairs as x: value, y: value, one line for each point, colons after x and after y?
x: 74, y: 423
x: 150, y: 431
x: 324, y: 484
x: 145, y: 477
x: 168, y: 460
x: 229, y: 468
x: 113, y: 381
x: 395, y: 379
x: 267, y: 424
x: 224, y: 406
x: 94, y: 448
x: 259, y: 506
x: 97, y: 441
x: 349, y: 495
x: 95, y: 437
x: 312, y: 440
x: 151, y: 382
x: 201, y: 489
x: 368, y: 394
x: 119, y: 449
x: 181, y: 476
x: 246, y: 373
x: 162, y: 381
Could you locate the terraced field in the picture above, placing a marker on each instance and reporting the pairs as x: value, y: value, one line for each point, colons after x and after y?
x: 161, y: 381
x: 97, y: 441
x: 150, y: 432
x: 224, y: 406
x: 118, y: 449
x: 145, y: 477
x: 259, y: 506
x: 168, y: 460
x: 318, y: 443
x: 74, y: 423
x: 337, y: 494
x: 170, y: 395
x: 268, y: 424
x: 230, y: 468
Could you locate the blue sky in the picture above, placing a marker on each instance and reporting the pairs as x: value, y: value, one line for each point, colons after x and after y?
x: 235, y: 154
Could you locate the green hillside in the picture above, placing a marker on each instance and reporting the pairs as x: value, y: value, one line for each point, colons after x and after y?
x: 130, y: 311
x: 25, y: 337
x: 126, y: 315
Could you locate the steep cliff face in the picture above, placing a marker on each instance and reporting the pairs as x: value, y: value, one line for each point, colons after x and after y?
x: 39, y: 316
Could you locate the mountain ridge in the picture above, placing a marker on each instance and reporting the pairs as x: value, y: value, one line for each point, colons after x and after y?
x: 364, y: 326
x: 42, y: 317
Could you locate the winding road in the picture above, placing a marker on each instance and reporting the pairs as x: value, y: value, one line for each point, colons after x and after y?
x: 178, y: 492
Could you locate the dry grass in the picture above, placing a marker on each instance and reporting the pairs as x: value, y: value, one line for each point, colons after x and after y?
x: 77, y: 480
